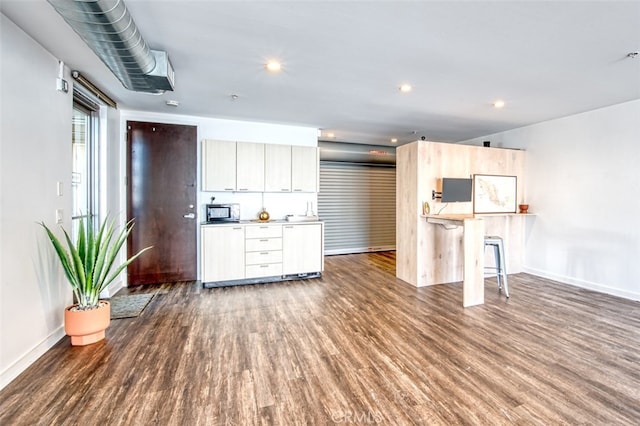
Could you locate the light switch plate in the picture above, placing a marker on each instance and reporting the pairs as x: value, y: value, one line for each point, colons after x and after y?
x: 62, y: 85
x: 59, y: 189
x: 59, y: 216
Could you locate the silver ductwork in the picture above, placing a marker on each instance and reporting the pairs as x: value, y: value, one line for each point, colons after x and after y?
x: 109, y: 30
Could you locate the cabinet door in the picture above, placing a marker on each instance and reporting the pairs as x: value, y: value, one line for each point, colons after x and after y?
x: 277, y: 168
x: 302, y: 250
x: 250, y: 166
x: 218, y: 165
x: 222, y: 254
x: 304, y: 169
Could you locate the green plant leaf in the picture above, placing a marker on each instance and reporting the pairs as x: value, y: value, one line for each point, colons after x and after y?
x: 89, y: 264
x: 62, y: 255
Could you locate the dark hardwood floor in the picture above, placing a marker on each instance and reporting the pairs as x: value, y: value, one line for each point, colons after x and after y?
x: 356, y: 346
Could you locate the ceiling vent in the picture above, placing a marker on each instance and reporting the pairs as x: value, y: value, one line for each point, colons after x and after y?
x: 108, y: 28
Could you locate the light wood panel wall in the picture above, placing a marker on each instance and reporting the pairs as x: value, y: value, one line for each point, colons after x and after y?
x: 420, y: 167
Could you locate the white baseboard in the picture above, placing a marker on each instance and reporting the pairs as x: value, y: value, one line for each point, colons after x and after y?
x: 583, y: 283
x: 15, y: 369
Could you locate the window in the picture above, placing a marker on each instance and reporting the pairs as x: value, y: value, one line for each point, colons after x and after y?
x: 84, y: 177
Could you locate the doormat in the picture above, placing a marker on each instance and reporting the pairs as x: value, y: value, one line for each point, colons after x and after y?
x: 129, y: 305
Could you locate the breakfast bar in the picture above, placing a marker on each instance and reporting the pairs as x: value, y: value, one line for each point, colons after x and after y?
x: 448, y: 246
x: 473, y: 254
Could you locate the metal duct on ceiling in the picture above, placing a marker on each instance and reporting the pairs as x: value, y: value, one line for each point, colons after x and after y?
x: 109, y: 30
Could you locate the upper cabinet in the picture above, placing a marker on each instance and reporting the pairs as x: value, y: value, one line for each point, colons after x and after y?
x: 250, y: 167
x: 277, y: 168
x: 257, y: 167
x: 304, y: 169
x: 218, y: 165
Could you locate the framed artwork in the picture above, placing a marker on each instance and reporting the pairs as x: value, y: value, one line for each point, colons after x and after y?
x: 494, y: 194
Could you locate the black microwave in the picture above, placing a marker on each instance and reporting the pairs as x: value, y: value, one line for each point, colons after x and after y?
x: 223, y: 213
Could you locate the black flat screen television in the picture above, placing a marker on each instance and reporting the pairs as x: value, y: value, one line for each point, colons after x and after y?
x: 456, y: 190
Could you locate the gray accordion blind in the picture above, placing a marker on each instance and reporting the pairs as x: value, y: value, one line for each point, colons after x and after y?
x: 357, y: 202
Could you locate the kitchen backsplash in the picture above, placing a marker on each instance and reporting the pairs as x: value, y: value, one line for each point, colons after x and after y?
x: 251, y: 203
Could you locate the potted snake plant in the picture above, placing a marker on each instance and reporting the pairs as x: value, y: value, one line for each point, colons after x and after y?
x: 89, y: 265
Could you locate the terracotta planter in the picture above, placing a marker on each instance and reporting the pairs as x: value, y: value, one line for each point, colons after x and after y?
x: 86, y: 327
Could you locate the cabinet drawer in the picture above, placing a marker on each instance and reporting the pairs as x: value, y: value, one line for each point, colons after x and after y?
x: 264, y: 270
x: 263, y: 231
x: 263, y: 244
x: 260, y: 257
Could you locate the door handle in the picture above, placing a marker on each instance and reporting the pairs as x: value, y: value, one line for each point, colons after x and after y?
x: 189, y: 216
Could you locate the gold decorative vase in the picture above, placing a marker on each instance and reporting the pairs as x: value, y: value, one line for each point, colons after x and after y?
x: 263, y: 215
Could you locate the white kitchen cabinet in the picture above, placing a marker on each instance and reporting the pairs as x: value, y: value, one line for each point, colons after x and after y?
x: 222, y: 253
x: 250, y: 167
x: 256, y: 167
x: 302, y: 248
x: 277, y: 168
x: 263, y: 250
x: 250, y: 252
x: 304, y: 169
x: 218, y: 165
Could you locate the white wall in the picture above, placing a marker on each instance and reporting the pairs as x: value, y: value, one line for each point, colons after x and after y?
x: 35, y: 154
x: 583, y: 183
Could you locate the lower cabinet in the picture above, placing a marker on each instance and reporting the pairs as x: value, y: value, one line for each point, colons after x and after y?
x: 222, y: 253
x: 247, y: 253
x: 263, y: 251
x: 302, y: 248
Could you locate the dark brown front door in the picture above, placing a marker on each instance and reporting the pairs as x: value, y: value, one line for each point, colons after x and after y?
x: 162, y: 200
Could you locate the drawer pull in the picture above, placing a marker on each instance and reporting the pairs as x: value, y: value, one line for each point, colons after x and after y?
x: 264, y: 252
x: 264, y: 241
x: 228, y: 189
x: 237, y: 228
x: 264, y: 266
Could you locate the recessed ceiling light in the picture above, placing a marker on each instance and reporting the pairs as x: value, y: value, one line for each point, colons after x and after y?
x: 273, y: 66
x: 331, y: 135
x: 405, y: 88
x: 172, y: 103
x: 394, y: 140
x: 499, y: 103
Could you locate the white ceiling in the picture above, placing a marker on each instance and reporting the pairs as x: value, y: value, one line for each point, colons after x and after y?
x: 343, y: 61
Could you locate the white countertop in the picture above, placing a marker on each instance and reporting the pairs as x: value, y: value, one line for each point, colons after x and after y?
x: 261, y: 222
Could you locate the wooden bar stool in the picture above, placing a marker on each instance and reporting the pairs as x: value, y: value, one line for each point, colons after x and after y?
x: 501, y: 266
